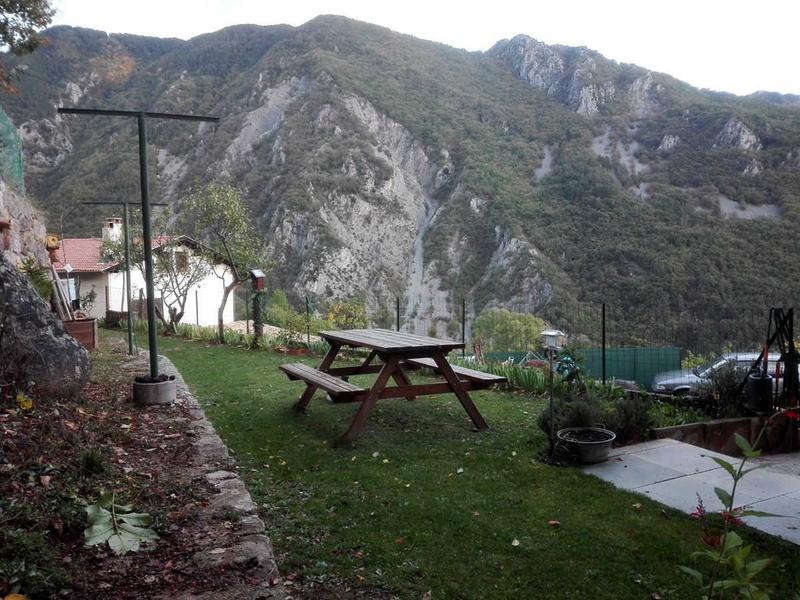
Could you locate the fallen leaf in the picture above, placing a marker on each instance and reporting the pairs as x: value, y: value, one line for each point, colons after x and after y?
x: 385, y: 460
x: 70, y: 425
x: 376, y: 454
x: 24, y: 402
x: 459, y: 470
x: 476, y: 514
x: 655, y: 596
x: 515, y: 542
x: 554, y: 523
x: 637, y: 505
x: 217, y: 551
x: 45, y: 481
x: 400, y: 541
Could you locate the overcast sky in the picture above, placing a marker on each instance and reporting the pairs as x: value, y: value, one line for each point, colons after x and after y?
x: 735, y: 45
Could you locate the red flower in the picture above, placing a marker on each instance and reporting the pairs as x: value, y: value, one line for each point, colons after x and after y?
x: 731, y: 518
x: 792, y: 414
x: 712, y: 539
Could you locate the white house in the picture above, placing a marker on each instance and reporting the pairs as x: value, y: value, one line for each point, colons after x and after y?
x: 79, y: 263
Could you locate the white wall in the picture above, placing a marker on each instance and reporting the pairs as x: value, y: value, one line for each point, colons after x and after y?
x: 203, y: 312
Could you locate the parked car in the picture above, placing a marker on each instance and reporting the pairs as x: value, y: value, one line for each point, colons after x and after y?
x: 689, y: 381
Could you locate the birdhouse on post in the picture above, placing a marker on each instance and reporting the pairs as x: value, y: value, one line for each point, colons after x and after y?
x: 554, y: 339
x: 258, y: 279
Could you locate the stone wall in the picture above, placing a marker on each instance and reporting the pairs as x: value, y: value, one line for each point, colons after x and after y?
x: 36, y: 354
x: 22, y: 230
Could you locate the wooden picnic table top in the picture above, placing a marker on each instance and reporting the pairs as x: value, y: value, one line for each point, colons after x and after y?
x: 390, y: 341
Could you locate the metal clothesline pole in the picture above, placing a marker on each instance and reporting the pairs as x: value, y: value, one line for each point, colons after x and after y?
x: 126, y: 237
x: 147, y: 237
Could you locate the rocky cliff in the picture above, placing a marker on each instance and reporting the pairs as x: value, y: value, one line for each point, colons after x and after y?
x: 531, y: 176
x: 36, y: 354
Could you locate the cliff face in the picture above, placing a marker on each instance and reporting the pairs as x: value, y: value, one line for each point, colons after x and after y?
x: 377, y: 164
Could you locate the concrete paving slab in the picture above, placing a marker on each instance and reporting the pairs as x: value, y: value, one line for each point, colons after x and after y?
x: 787, y: 525
x: 674, y: 473
x: 631, y: 471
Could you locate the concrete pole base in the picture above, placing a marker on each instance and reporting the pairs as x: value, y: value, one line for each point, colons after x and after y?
x: 149, y: 394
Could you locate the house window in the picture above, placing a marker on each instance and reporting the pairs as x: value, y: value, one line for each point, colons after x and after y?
x: 181, y: 261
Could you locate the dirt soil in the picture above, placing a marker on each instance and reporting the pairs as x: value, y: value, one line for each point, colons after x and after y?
x: 57, y: 456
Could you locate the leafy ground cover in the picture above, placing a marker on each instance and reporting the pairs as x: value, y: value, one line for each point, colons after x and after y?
x: 56, y: 459
x: 423, y: 504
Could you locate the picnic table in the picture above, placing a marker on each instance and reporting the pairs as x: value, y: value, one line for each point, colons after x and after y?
x: 397, y: 354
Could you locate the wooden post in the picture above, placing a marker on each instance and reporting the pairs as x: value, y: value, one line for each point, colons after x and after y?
x: 397, y: 311
x: 196, y: 307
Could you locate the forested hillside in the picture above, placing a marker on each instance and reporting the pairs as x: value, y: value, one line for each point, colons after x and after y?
x: 379, y: 164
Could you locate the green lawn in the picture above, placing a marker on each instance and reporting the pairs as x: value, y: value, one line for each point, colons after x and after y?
x: 423, y: 503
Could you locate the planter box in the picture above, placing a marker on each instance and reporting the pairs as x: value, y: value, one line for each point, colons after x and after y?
x: 83, y: 330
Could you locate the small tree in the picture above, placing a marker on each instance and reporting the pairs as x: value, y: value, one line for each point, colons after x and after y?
x: 502, y: 329
x: 177, y: 267
x: 20, y: 21
x: 221, y: 220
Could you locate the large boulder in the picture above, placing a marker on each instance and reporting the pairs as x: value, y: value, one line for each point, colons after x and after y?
x: 35, y: 351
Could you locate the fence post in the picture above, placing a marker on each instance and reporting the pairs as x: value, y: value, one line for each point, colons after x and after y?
x: 397, y: 311
x: 603, y: 349
x: 308, y: 323
x: 464, y: 326
x: 196, y: 307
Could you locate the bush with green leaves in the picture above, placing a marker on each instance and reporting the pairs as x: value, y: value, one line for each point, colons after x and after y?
x: 39, y: 277
x: 351, y: 314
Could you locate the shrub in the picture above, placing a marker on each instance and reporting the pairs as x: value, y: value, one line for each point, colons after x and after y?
x: 348, y: 315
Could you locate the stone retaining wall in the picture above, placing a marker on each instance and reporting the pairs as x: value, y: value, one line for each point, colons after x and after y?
x: 244, y: 545
x: 719, y: 435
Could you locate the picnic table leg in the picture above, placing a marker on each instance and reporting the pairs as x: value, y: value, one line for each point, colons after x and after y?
x: 401, y: 378
x: 368, y: 403
x: 302, y: 403
x: 447, y: 371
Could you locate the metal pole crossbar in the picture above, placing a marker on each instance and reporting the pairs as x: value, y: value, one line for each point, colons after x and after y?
x: 147, y: 237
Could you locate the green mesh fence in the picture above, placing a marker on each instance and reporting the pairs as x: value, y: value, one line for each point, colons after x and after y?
x: 10, y: 154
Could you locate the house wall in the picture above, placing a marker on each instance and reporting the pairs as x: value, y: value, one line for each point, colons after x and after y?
x: 208, y: 294
x: 98, y: 282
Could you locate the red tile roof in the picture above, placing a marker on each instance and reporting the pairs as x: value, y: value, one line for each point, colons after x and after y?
x: 82, y: 254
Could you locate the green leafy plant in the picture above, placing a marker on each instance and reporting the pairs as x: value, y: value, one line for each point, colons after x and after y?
x: 733, y: 571
x: 348, y: 315
x: 117, y: 525
x: 39, y: 277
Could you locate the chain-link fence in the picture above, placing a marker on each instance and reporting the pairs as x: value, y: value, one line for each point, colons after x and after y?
x: 606, y: 342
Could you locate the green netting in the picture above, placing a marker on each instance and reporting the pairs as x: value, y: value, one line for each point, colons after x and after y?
x: 10, y: 154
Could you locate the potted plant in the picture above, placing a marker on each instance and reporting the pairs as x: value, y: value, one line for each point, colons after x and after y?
x: 576, y: 416
x: 591, y: 444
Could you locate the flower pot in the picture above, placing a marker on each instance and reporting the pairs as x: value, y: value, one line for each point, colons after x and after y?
x: 591, y: 444
x: 147, y: 392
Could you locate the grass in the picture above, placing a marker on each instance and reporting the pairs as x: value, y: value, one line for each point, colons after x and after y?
x: 423, y: 503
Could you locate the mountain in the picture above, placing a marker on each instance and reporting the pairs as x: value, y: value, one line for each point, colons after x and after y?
x: 378, y: 164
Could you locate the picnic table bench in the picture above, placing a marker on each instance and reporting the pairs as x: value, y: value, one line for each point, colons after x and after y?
x: 397, y: 353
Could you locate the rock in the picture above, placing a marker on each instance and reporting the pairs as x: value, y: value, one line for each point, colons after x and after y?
x: 736, y: 134
x: 45, y: 359
x: 668, y: 143
x: 753, y: 168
